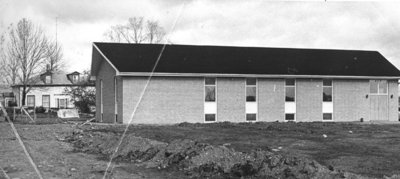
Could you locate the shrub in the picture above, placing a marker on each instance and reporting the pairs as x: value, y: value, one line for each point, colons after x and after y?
x: 12, y: 103
x: 40, y: 109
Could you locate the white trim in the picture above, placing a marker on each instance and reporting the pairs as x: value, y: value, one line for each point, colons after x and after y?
x: 251, y: 103
x: 115, y: 99
x: 215, y: 75
x: 327, y: 104
x: 209, y: 102
x: 101, y: 53
x: 101, y: 100
x: 290, y: 102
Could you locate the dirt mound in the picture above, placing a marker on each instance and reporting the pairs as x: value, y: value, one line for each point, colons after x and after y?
x: 132, y: 148
x: 200, y: 159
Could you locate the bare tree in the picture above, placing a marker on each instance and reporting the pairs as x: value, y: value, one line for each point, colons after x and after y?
x: 2, y: 59
x: 8, y: 66
x: 30, y: 50
x: 137, y: 30
x: 55, y: 60
x: 155, y: 32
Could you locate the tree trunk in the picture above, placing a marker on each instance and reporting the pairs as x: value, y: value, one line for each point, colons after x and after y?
x: 23, y: 96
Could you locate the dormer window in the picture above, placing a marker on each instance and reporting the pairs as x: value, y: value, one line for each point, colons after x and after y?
x: 75, y: 78
x: 47, y: 79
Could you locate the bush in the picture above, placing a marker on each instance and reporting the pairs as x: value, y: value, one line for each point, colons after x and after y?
x: 40, y: 109
x: 12, y: 103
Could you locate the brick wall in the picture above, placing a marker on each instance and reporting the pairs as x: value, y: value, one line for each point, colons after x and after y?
x: 120, y: 100
x: 231, y: 99
x: 177, y: 99
x: 308, y: 100
x: 271, y: 95
x: 349, y: 100
x: 106, y: 74
x: 166, y: 100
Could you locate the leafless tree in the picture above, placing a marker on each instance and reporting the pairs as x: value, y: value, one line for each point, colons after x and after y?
x: 30, y: 50
x: 55, y: 59
x: 8, y: 66
x: 137, y: 30
x: 2, y: 58
x: 155, y: 32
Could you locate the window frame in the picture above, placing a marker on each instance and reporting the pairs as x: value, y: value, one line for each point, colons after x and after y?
x: 47, y: 79
x: 27, y: 100
x: 324, y: 87
x: 215, y: 101
x: 251, y: 102
x: 252, y: 86
x: 327, y: 102
x: 43, y: 96
x: 290, y: 102
x: 323, y: 118
x: 291, y: 86
x: 378, y: 87
x: 210, y: 85
x: 65, y: 103
x: 294, y: 117
x: 75, y: 78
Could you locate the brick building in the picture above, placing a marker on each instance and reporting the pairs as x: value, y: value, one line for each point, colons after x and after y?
x: 239, y: 84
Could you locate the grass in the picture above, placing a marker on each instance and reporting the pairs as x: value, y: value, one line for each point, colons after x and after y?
x: 366, y: 149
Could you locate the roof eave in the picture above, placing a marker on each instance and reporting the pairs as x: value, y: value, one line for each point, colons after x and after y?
x: 252, y: 75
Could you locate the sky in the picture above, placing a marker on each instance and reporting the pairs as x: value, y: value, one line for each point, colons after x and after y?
x: 306, y: 24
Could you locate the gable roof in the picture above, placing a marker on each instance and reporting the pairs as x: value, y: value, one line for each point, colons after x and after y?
x: 190, y: 59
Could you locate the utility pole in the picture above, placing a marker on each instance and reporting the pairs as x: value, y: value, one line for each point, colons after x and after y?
x: 56, y: 29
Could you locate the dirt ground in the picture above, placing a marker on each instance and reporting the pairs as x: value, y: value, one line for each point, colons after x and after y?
x: 366, y: 149
x: 55, y: 158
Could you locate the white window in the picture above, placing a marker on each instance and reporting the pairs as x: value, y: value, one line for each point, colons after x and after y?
x: 30, y: 100
x: 378, y: 87
x: 62, y: 103
x: 290, y: 99
x: 327, y: 104
x: 251, y: 99
x: 46, y: 101
x: 48, y: 79
x: 75, y: 78
x: 210, y: 98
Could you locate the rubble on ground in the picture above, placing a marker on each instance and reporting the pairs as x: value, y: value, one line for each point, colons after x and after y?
x: 200, y: 159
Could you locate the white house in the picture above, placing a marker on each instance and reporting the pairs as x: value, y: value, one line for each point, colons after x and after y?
x: 49, y: 92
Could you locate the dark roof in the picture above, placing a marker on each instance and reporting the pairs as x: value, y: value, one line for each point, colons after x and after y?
x: 7, y: 94
x: 246, y: 60
x: 59, y: 78
x: 5, y: 88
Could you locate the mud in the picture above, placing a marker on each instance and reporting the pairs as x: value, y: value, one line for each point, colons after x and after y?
x: 201, y: 159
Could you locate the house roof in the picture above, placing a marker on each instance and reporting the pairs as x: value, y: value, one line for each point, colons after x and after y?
x: 141, y: 58
x: 4, y: 88
x: 58, y: 79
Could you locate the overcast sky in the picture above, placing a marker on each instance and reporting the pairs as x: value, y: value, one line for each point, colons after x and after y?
x: 318, y: 24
